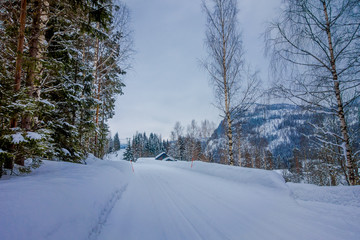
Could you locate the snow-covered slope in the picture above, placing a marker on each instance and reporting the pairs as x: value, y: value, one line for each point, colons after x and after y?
x: 276, y: 127
x: 171, y: 200
x: 61, y: 200
x: 279, y: 128
x: 115, y: 156
x: 247, y: 176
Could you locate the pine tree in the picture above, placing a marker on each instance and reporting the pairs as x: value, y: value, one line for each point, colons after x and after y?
x: 23, y: 135
x: 50, y: 111
x: 111, y: 145
x: 116, y: 142
x: 128, y: 154
x: 268, y: 160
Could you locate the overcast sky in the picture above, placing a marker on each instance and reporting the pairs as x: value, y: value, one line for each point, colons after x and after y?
x: 167, y: 83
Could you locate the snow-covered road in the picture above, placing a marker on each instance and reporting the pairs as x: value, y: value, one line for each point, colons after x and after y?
x: 168, y: 200
x: 105, y: 200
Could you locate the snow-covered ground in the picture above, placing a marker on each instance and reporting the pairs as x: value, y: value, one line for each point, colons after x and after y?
x: 106, y: 200
x: 115, y: 156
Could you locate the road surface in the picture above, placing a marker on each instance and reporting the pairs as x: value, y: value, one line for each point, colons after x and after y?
x: 162, y: 201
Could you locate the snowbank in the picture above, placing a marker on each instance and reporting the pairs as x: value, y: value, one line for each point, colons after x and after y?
x: 248, y: 176
x: 338, y: 195
x: 115, y: 156
x: 61, y: 200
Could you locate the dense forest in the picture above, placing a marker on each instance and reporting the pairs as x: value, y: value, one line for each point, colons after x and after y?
x: 185, y: 144
x: 61, y: 65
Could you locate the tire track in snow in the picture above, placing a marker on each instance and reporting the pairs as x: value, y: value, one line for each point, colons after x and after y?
x: 180, y: 199
x: 105, y: 212
x: 153, y: 200
x: 173, y: 204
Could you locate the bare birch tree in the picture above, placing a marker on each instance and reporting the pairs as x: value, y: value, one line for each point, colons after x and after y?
x: 315, y: 49
x: 225, y: 64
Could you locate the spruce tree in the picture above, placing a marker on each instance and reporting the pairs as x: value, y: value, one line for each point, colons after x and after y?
x: 111, y: 145
x: 57, y: 107
x: 128, y: 154
x: 116, y: 142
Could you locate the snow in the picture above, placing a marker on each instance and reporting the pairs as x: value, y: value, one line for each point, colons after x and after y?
x: 60, y: 200
x: 337, y: 195
x: 65, y: 151
x: 171, y: 200
x: 46, y: 102
x: 169, y: 159
x: 34, y: 135
x: 160, y: 154
x: 248, y: 176
x: 115, y: 156
x: 17, y: 138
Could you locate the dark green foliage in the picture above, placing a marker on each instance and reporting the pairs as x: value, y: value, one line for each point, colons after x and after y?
x: 63, y: 114
x: 6, y: 161
x: 116, y: 142
x: 143, y: 146
x: 110, y: 145
x: 128, y: 154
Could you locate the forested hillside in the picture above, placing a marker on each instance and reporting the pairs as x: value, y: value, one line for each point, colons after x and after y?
x: 284, y: 136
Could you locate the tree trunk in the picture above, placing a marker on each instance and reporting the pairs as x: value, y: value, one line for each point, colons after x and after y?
x: 98, y: 105
x: 34, y: 46
x: 44, y: 18
x: 239, y: 146
x: 35, y: 55
x: 96, y: 64
x: 350, y: 163
x: 226, y: 97
x: 230, y: 138
x: 37, y: 41
x: 18, y: 68
x: 19, y: 57
x: 332, y: 179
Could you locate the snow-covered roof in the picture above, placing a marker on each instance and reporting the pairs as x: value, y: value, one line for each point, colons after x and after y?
x: 161, y: 154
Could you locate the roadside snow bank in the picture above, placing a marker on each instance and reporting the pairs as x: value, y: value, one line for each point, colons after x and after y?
x: 248, y: 176
x: 115, y: 156
x: 338, y: 195
x: 61, y: 200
